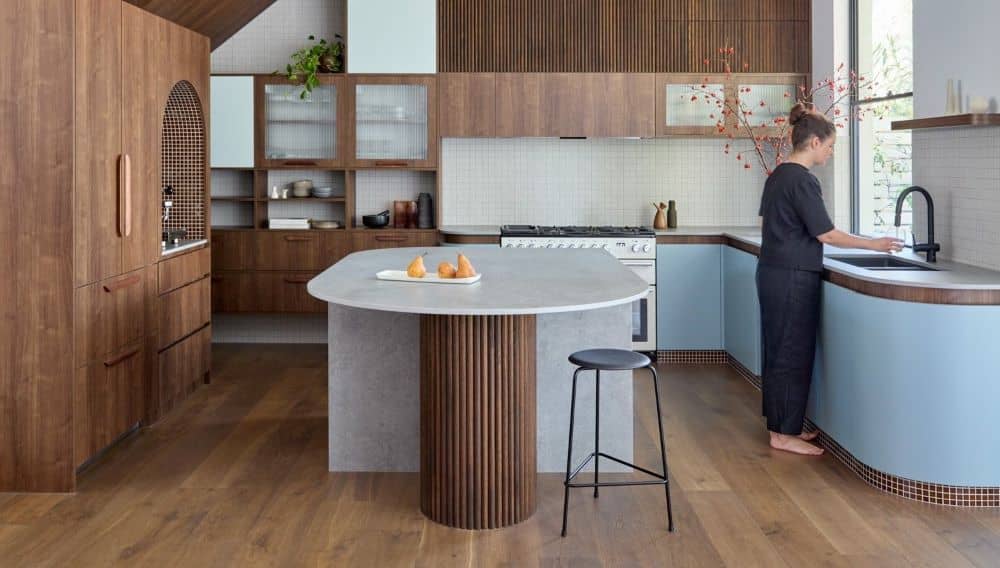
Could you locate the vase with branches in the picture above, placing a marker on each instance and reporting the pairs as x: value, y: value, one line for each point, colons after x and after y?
x: 734, y: 114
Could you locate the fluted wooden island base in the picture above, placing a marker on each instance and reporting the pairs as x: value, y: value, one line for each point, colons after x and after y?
x: 477, y: 420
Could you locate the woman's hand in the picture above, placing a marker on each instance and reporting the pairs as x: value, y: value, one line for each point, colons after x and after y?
x: 886, y: 244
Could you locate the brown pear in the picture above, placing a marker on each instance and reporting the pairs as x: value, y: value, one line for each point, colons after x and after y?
x: 446, y: 270
x: 416, y: 268
x: 465, y: 268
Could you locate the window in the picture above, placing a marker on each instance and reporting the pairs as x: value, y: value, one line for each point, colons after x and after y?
x: 882, y: 52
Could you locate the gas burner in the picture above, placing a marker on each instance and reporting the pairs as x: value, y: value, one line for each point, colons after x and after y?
x: 574, y: 231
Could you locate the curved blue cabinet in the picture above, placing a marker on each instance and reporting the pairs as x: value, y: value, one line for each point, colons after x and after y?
x: 689, y: 297
x: 910, y: 389
x: 741, y: 308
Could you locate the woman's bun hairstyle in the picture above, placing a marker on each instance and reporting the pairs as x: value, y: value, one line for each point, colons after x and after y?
x: 807, y: 122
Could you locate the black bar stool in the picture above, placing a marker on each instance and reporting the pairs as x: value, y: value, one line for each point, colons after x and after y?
x: 599, y: 360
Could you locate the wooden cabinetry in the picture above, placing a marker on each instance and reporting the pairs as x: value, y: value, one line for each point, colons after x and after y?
x: 183, y: 311
x: 109, y: 315
x: 467, y: 105
x: 575, y: 104
x: 393, y: 120
x: 301, y: 132
x: 108, y: 399
x: 299, y: 250
x: 682, y: 108
x: 378, y: 239
x: 181, y: 368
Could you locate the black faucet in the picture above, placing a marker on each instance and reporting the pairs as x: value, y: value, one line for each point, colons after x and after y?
x: 930, y: 247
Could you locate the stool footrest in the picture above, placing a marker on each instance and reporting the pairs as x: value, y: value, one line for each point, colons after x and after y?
x: 660, y: 478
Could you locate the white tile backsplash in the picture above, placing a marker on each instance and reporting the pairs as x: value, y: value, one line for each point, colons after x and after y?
x: 960, y: 167
x: 596, y: 181
x: 265, y: 44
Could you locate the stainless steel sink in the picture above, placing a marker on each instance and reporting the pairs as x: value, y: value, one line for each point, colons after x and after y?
x: 878, y: 262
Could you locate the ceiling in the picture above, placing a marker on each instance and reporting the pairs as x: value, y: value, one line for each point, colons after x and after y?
x: 217, y: 19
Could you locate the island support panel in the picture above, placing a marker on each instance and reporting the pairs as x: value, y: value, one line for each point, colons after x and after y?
x: 477, y: 381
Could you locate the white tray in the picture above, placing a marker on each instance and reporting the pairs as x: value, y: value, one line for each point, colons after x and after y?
x: 429, y: 278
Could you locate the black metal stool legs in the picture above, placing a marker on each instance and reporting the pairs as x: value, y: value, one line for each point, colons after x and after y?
x: 569, y: 451
x: 658, y: 478
x: 663, y: 448
x: 597, y: 427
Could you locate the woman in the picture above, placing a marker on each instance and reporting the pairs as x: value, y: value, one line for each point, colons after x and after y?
x: 796, y: 226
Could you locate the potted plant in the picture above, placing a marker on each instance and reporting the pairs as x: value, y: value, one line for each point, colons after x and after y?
x: 321, y: 57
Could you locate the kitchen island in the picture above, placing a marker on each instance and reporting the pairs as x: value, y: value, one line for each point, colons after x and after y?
x: 470, y: 384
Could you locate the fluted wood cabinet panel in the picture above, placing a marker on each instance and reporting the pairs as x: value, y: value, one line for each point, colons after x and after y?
x: 477, y: 431
x: 645, y: 36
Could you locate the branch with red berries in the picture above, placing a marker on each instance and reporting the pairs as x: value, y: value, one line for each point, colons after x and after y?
x: 734, y: 115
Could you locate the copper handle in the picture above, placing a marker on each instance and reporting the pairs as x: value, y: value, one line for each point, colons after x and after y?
x: 390, y: 239
x: 123, y: 283
x: 298, y: 280
x: 293, y: 239
x: 299, y: 162
x: 127, y: 355
x: 128, y: 195
x: 392, y: 163
x: 121, y: 195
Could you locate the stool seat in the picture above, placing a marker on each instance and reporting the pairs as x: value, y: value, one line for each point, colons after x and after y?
x: 609, y: 359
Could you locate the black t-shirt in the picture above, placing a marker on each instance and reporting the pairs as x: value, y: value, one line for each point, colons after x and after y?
x: 794, y: 215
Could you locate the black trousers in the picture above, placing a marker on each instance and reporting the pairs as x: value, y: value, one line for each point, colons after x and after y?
x: 789, y: 315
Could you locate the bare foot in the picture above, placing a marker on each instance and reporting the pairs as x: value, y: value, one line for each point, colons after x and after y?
x: 808, y: 436
x: 794, y: 444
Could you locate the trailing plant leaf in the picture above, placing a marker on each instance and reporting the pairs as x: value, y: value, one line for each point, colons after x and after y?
x: 306, y: 63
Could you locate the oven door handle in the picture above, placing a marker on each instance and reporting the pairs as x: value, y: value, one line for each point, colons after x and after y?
x: 639, y: 262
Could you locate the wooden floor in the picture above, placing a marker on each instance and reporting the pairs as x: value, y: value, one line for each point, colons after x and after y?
x: 237, y: 477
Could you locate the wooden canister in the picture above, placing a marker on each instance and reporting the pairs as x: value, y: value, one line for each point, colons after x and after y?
x: 400, y: 214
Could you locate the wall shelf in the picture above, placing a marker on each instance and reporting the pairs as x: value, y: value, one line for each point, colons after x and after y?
x: 954, y: 120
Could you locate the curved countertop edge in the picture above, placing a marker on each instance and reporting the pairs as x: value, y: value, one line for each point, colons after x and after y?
x: 620, y: 287
x: 483, y: 312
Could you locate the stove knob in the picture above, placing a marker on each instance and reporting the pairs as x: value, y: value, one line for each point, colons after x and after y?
x: 645, y: 248
x: 636, y: 247
x: 550, y: 245
x: 572, y: 245
x: 563, y: 245
x: 534, y: 245
x: 606, y: 247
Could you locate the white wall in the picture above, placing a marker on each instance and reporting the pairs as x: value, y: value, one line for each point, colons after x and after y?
x: 957, y: 40
x: 392, y: 36
x: 265, y: 44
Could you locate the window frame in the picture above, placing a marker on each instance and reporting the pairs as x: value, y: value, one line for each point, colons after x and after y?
x: 853, y: 105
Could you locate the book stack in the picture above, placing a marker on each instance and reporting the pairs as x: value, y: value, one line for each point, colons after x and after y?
x: 288, y: 223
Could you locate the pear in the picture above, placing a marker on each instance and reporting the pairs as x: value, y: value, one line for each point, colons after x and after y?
x: 416, y: 268
x: 446, y: 270
x: 465, y: 268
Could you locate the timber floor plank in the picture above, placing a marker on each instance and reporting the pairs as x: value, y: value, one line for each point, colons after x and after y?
x: 236, y: 476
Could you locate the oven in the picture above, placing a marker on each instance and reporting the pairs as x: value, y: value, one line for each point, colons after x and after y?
x: 644, y: 309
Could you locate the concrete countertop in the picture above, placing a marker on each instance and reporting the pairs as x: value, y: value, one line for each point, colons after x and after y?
x: 514, y: 281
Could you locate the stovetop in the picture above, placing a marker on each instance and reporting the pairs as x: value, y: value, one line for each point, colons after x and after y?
x: 575, y: 231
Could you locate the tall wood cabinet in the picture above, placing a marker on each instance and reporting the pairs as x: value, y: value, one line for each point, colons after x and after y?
x: 80, y: 212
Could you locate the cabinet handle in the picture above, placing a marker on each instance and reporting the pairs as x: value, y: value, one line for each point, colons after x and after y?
x: 385, y: 239
x: 128, y: 195
x: 293, y: 239
x: 123, y: 283
x: 127, y: 355
x: 298, y: 279
x: 299, y: 162
x: 391, y: 163
x: 121, y: 195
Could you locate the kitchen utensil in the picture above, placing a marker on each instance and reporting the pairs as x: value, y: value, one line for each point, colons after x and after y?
x: 401, y: 276
x: 425, y: 211
x: 660, y: 220
x: 324, y: 224
x: 411, y: 214
x: 400, y: 212
x: 377, y: 220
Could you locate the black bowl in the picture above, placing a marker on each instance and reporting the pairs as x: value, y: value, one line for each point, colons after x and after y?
x: 376, y: 221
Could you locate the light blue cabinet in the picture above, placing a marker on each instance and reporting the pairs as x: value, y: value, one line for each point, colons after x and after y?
x: 689, y: 296
x: 741, y: 309
x: 232, y: 122
x: 392, y: 36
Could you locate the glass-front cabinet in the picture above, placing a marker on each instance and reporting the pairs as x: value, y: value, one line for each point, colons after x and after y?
x: 301, y: 131
x: 688, y: 104
x: 394, y: 120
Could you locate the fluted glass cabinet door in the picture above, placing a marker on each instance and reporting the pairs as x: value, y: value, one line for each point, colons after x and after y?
x: 297, y: 131
x: 394, y: 121
x: 767, y: 102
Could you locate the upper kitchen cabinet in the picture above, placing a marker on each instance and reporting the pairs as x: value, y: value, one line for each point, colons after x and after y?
x: 232, y: 122
x: 575, y: 104
x: 297, y: 131
x: 467, y: 105
x: 392, y: 36
x: 687, y: 103
x: 394, y: 120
